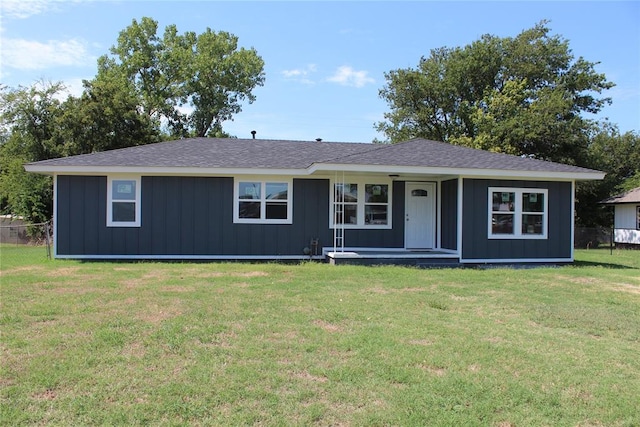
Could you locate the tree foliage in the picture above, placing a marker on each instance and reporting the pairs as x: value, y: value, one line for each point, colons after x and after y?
x: 148, y: 89
x: 28, y: 119
x: 618, y: 155
x: 523, y: 95
x: 191, y: 82
x: 104, y: 117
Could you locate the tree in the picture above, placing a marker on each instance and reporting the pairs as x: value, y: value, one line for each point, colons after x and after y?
x: 192, y: 83
x: 617, y: 155
x: 104, y: 117
x: 522, y: 95
x: 28, y: 119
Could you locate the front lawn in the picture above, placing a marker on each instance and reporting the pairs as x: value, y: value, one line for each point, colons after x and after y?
x: 88, y: 343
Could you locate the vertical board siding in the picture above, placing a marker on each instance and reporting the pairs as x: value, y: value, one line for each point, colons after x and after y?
x: 185, y: 216
x: 477, y: 245
x: 80, y: 214
x: 311, y: 211
x: 449, y: 214
x: 194, y: 216
x: 62, y: 233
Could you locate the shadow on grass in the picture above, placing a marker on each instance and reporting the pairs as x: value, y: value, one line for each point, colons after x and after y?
x: 603, y: 265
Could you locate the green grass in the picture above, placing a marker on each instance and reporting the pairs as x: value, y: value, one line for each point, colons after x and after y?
x: 312, y: 344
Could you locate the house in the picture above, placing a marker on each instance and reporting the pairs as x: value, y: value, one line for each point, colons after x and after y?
x: 418, y: 202
x: 626, y: 223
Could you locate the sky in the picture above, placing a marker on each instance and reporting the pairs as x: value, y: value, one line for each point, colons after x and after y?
x: 324, y: 61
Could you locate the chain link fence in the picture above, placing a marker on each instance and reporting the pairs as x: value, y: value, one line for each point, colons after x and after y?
x: 15, y: 232
x: 593, y: 237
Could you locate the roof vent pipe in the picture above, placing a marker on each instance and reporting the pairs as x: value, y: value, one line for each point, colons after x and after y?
x: 253, y: 133
x: 318, y: 139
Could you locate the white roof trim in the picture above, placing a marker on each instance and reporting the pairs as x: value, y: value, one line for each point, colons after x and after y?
x: 158, y: 170
x: 313, y: 169
x: 467, y: 172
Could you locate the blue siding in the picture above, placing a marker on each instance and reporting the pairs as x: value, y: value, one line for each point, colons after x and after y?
x: 184, y: 216
x: 449, y: 212
x: 477, y: 245
x: 194, y: 216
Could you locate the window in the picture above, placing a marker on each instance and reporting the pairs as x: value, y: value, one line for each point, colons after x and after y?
x: 517, y: 213
x: 364, y: 204
x: 123, y: 202
x: 258, y: 201
x: 638, y: 217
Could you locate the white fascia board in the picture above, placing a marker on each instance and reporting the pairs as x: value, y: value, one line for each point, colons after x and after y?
x: 109, y: 170
x: 467, y: 172
x: 314, y: 169
x: 194, y: 257
x: 490, y: 261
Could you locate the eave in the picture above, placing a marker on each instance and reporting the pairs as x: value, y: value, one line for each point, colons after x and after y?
x: 316, y: 168
x: 153, y: 170
x: 467, y: 172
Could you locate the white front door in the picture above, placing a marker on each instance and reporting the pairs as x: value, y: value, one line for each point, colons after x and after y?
x: 420, y: 215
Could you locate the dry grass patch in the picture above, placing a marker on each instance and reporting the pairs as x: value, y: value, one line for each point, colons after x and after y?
x: 149, y: 278
x: 305, y: 375
x: 627, y: 287
x: 326, y: 326
x: 423, y: 342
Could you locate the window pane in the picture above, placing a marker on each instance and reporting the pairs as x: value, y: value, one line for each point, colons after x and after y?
x: 532, y: 202
x: 276, y: 190
x: 531, y: 224
x: 350, y: 215
x: 375, y: 214
x: 503, y: 202
x: 276, y: 210
x: 249, y: 210
x: 123, y: 212
x: 249, y: 190
x: 348, y: 191
x: 123, y: 189
x: 502, y: 224
x: 376, y: 193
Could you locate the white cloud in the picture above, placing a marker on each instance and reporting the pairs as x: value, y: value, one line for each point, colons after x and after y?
x: 300, y: 74
x: 21, y: 9
x: 74, y: 86
x: 33, y: 55
x: 347, y: 76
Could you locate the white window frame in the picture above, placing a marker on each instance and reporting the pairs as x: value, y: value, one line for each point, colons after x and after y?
x: 362, y: 182
x: 263, y: 200
x: 111, y: 201
x: 518, y: 213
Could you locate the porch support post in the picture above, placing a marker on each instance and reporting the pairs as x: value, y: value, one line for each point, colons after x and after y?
x: 460, y: 216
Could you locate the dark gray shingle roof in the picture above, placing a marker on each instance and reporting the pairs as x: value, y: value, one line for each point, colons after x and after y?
x: 279, y: 154
x: 426, y: 153
x: 215, y: 153
x: 631, y: 196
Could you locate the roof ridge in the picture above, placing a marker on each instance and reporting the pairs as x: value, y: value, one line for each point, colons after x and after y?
x: 374, y: 147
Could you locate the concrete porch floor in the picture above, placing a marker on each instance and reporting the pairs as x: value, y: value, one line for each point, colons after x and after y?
x: 424, y: 258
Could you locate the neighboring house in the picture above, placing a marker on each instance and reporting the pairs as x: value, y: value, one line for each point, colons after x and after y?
x: 626, y: 225
x: 419, y: 202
